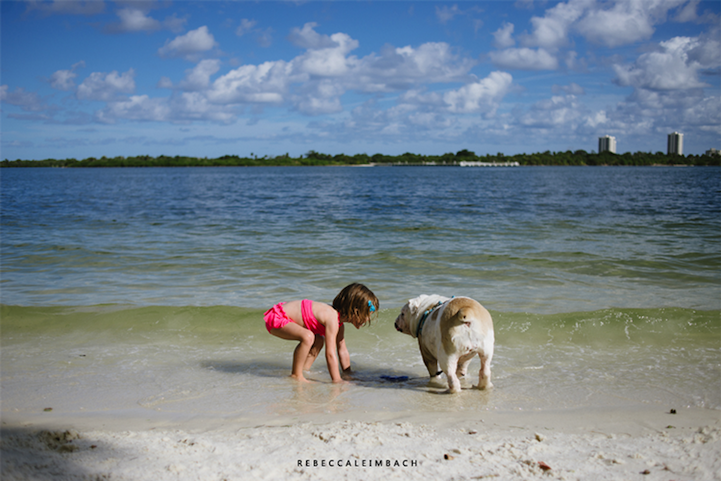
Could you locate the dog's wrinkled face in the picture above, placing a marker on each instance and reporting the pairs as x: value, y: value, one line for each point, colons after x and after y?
x: 409, y: 314
x: 403, y: 321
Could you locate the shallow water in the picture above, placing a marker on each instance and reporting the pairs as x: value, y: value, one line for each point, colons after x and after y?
x: 220, y: 361
x: 142, y: 290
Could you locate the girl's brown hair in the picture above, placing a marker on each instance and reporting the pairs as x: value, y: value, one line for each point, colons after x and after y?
x: 354, y: 303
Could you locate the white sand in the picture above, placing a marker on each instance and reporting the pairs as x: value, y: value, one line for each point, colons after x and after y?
x: 583, y: 445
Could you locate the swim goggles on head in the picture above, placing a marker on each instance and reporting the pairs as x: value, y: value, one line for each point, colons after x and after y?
x: 371, y: 306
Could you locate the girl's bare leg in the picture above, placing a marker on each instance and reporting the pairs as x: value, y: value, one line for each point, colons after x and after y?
x: 294, y: 332
x: 314, y: 351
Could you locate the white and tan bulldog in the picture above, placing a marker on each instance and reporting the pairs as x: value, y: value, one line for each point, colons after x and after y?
x: 450, y: 332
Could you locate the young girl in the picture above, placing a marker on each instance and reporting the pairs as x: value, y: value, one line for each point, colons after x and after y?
x: 310, y: 322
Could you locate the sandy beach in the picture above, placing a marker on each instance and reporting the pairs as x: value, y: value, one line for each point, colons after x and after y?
x: 582, y: 444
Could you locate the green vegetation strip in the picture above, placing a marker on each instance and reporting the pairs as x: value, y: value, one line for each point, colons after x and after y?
x: 313, y: 158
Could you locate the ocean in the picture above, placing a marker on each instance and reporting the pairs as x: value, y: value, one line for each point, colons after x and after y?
x: 140, y: 292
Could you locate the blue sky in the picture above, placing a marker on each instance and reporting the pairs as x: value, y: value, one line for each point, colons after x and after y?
x: 209, y: 78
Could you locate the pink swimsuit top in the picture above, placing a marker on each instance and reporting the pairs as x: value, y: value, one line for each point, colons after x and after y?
x: 311, y: 323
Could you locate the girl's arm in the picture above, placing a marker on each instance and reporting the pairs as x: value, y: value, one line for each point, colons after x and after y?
x: 343, y: 354
x: 331, y: 352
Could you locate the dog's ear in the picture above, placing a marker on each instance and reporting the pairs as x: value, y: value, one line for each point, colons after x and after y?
x: 415, y: 304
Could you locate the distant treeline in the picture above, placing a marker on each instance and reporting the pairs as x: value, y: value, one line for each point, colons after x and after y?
x: 579, y: 157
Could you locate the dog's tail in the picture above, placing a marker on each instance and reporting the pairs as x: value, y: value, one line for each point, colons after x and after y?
x: 469, y: 314
x: 466, y: 315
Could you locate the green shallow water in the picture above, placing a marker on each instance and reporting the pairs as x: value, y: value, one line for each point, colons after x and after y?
x: 220, y: 361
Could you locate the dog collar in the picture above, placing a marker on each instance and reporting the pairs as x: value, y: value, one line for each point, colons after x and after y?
x: 425, y: 316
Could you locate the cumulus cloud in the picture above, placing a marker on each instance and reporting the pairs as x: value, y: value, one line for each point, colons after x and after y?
x: 64, y: 79
x: 328, y: 55
x: 189, y: 46
x: 308, y: 38
x: 558, y: 111
x: 675, y: 65
x: 551, y: 31
x: 403, y: 67
x: 314, y: 81
x: 106, y: 87
x: 482, y: 96
x: 504, y: 36
x: 266, y: 83
x: 185, y: 107
x: 524, y: 59
x: 198, y: 78
x: 135, y: 20
x: 318, y: 98
x: 626, y: 22
x: 135, y: 107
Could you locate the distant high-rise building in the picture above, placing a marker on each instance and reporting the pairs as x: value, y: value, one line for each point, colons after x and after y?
x: 607, y: 143
x: 675, y: 143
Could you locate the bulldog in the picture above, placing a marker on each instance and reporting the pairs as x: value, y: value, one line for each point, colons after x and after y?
x: 450, y: 332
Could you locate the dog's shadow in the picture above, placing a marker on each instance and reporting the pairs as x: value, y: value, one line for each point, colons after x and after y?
x: 365, y: 376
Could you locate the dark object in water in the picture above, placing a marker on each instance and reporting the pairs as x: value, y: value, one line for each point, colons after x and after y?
x: 395, y: 378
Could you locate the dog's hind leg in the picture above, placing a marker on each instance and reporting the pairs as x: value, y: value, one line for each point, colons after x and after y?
x: 463, y: 363
x: 484, y: 374
x: 449, y: 366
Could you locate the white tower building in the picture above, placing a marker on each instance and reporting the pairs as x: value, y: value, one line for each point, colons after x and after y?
x: 675, y: 143
x: 607, y: 143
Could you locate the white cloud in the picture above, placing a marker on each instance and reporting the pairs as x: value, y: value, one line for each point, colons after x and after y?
x: 404, y: 67
x: 482, y: 96
x: 671, y: 67
x: 136, y: 107
x: 524, y: 59
x: 308, y: 38
x: 266, y: 83
x: 320, y: 98
x: 551, y: 31
x: 64, y: 79
x: 198, y: 78
x: 504, y: 36
x: 626, y: 22
x: 187, y: 106
x: 135, y: 20
x: 189, y: 46
x: 106, y: 87
x: 245, y: 27
x: 557, y: 112
x: 597, y: 119
x: 327, y: 57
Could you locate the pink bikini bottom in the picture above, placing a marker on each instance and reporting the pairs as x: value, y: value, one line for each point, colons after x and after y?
x: 275, y: 317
